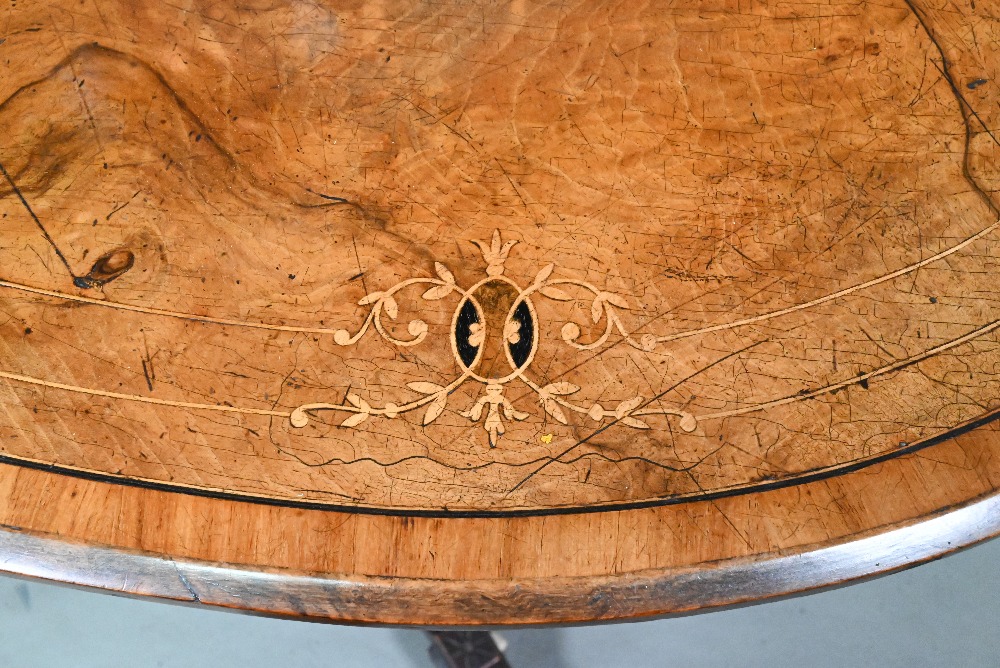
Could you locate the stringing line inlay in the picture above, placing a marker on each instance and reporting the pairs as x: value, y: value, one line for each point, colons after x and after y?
x: 496, y: 315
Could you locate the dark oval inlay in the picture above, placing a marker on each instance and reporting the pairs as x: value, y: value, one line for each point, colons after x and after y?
x: 467, y: 316
x: 501, y: 327
x: 520, y: 350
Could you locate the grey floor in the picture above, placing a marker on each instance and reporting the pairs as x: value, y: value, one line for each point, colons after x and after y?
x: 940, y: 614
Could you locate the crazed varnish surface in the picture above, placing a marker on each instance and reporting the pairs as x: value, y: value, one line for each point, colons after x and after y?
x: 491, y: 295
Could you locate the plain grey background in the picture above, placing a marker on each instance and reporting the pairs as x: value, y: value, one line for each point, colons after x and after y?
x: 939, y: 614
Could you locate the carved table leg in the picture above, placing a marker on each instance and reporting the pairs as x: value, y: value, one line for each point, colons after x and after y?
x: 465, y: 649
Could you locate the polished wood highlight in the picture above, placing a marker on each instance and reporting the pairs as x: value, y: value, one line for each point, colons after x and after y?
x: 385, y: 310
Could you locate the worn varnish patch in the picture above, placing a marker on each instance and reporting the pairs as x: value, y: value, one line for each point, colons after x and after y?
x: 557, y: 263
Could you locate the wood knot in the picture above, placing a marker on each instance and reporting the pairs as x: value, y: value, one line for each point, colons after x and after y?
x: 107, y: 268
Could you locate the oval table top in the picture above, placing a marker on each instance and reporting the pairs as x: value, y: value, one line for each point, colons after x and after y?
x: 495, y: 313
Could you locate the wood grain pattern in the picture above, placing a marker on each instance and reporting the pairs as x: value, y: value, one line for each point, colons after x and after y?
x: 363, y: 290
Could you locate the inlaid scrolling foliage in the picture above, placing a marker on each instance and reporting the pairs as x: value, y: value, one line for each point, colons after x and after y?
x: 495, y: 323
x: 494, y: 336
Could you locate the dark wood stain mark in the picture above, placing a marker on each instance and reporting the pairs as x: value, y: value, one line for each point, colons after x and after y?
x: 107, y: 268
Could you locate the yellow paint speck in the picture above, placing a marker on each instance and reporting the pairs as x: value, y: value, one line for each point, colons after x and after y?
x: 547, y: 438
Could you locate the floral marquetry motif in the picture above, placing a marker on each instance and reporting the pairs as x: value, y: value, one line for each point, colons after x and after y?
x: 495, y: 318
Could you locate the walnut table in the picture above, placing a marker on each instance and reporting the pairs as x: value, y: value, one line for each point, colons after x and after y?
x: 495, y: 313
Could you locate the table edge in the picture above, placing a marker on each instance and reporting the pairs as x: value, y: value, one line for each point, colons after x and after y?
x: 398, y: 601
